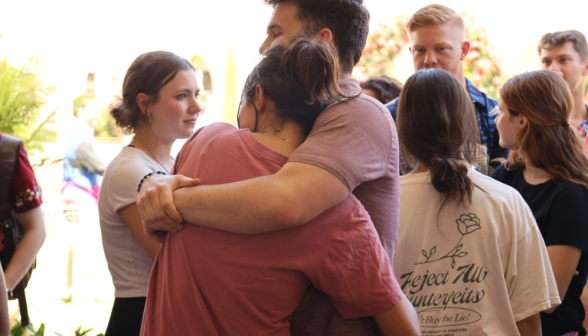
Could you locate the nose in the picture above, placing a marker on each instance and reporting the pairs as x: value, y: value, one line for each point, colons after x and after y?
x: 555, y: 68
x: 195, y: 107
x: 264, y: 46
x: 430, y: 59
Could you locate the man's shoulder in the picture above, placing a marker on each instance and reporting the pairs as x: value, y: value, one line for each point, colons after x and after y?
x: 483, y: 103
x: 359, y: 109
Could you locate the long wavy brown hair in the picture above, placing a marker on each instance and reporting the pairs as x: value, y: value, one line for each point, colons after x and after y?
x: 548, y: 141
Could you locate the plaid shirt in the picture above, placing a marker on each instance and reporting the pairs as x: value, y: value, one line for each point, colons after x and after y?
x: 488, y: 132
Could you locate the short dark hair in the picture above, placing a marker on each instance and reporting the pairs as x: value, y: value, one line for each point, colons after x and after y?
x: 147, y: 74
x: 559, y: 38
x: 348, y: 20
x: 386, y: 88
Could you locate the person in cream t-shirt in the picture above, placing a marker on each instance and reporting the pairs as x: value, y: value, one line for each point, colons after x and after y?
x: 475, y: 268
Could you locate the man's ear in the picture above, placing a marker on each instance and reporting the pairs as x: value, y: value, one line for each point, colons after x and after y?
x: 326, y: 35
x: 142, y: 102
x: 465, y: 49
x: 585, y: 68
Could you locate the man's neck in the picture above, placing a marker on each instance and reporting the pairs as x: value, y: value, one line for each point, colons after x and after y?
x: 579, y: 113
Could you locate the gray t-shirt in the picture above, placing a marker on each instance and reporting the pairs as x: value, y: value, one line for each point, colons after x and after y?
x: 129, y: 264
x: 357, y: 142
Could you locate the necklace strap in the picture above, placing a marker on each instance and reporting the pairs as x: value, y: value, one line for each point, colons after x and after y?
x: 155, y: 157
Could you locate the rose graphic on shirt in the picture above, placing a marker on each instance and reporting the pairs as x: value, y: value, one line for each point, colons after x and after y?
x: 466, y: 224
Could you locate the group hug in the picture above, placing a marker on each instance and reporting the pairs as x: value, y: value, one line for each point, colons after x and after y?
x: 327, y: 212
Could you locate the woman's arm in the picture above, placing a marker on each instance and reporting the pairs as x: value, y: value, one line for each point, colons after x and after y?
x: 132, y: 218
x: 564, y: 261
x: 33, y: 238
x: 401, y: 319
x: 531, y: 326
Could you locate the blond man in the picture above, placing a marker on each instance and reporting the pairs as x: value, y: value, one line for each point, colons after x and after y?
x: 438, y: 40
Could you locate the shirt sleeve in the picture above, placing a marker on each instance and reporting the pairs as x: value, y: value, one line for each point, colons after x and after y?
x: 124, y: 181
x: 567, y: 218
x: 26, y: 190
x: 356, y: 274
x: 353, y: 140
x: 529, y: 277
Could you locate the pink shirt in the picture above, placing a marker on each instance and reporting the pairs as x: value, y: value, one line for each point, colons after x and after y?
x: 210, y: 282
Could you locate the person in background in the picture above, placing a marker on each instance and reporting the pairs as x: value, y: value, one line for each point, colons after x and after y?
x: 82, y: 168
x: 437, y: 40
x: 548, y: 168
x: 476, y: 236
x: 353, y: 147
x: 25, y: 202
x: 383, y: 88
x: 158, y: 107
x: 566, y: 53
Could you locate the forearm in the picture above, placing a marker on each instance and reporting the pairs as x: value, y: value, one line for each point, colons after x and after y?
x: 531, y: 326
x: 33, y: 238
x: 24, y: 256
x: 246, y: 207
x: 401, y: 319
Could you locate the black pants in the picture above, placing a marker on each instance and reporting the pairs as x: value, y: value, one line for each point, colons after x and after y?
x: 126, y: 317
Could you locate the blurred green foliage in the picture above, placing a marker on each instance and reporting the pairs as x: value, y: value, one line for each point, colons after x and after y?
x: 21, y: 97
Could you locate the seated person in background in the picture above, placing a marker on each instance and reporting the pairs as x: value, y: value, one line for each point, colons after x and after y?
x: 221, y: 283
x: 549, y: 169
x: 437, y: 40
x: 383, y: 88
x: 475, y: 252
x: 566, y: 53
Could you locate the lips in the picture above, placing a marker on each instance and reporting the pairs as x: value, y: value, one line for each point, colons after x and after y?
x: 190, y: 121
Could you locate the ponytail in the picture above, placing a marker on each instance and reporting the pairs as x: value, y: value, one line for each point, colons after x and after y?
x: 301, y: 79
x: 437, y: 129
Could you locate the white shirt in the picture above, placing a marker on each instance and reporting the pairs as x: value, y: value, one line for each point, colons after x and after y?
x: 129, y: 264
x: 473, y: 269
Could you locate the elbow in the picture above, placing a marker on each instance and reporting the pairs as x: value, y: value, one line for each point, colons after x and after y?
x: 552, y: 309
x: 287, y: 215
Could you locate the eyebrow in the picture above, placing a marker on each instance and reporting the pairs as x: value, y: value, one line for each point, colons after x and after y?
x: 559, y: 56
x: 187, y: 90
x: 274, y: 26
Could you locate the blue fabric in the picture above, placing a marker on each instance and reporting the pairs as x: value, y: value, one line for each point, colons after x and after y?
x: 73, y: 171
x: 486, y: 121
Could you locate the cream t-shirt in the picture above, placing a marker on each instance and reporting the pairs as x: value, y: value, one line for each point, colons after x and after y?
x: 473, y: 269
x: 129, y: 264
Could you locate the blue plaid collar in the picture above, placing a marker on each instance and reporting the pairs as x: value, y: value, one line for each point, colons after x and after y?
x: 476, y: 95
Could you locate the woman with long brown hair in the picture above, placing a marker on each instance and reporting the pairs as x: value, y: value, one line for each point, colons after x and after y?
x: 548, y: 167
x: 469, y: 253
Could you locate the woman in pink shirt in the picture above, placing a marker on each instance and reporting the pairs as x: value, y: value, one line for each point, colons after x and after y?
x: 212, y: 282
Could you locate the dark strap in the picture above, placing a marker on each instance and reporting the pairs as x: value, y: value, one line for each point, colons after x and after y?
x: 9, y: 149
x: 19, y: 293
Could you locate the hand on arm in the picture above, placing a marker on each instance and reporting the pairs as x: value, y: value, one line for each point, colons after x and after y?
x: 531, y: 326
x: 155, y: 203
x: 401, y: 319
x: 564, y: 261
x: 131, y: 217
x: 291, y: 197
x: 33, y: 238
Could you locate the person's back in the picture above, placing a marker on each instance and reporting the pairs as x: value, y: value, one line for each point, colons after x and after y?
x: 228, y: 284
x: 473, y: 255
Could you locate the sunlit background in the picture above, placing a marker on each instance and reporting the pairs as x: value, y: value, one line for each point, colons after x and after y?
x: 74, y: 38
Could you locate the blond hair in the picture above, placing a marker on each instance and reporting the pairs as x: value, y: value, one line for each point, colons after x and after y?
x: 433, y: 15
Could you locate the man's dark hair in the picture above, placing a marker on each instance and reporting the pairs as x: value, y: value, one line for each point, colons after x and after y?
x: 386, y: 88
x: 348, y: 20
